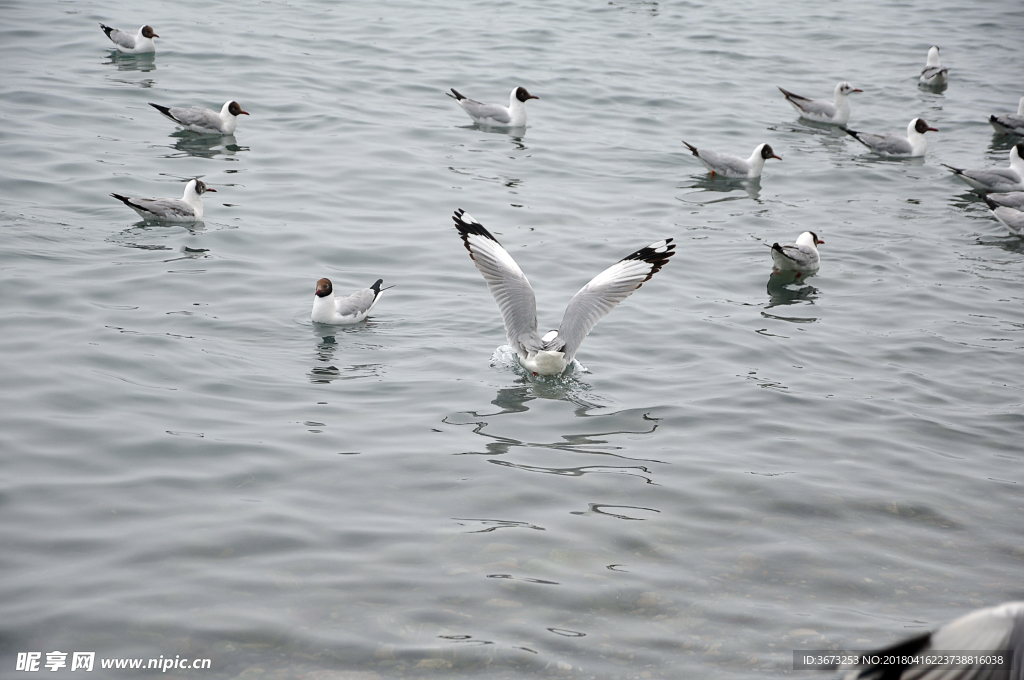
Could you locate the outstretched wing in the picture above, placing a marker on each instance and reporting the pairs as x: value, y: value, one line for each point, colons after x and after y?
x: 607, y: 289
x: 508, y: 284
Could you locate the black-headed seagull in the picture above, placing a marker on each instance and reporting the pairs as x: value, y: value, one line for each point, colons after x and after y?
x: 188, y: 208
x: 934, y: 74
x: 996, y: 179
x: 337, y: 311
x: 551, y: 353
x: 139, y: 43
x: 728, y: 165
x: 207, y: 121
x: 1010, y: 123
x: 513, y: 115
x: 800, y: 257
x: 914, y: 144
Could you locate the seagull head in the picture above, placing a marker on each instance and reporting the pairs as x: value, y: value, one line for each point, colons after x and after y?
x: 522, y: 95
x: 235, y: 110
x: 324, y: 288
x: 201, y: 187
x: 147, y: 32
x: 767, y: 152
x: 921, y: 126
x: 844, y: 88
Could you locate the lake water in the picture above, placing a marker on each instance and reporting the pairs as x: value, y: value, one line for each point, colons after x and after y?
x: 191, y: 469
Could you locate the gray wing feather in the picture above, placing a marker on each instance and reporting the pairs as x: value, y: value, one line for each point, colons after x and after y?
x: 994, y: 177
x: 1010, y: 121
x: 197, y: 116
x: 723, y: 163
x: 1013, y: 219
x: 930, y: 72
x: 1011, y: 199
x: 355, y: 304
x: 889, y: 144
x: 162, y: 207
x: 507, y: 283
x: 816, y: 107
x: 477, y: 110
x: 606, y: 290
x: 121, y: 38
x: 801, y: 255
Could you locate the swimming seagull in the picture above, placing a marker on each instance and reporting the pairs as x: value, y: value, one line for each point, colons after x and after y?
x: 552, y: 353
x: 188, y: 208
x: 994, y: 631
x: 198, y: 119
x: 140, y: 43
x: 914, y: 144
x: 836, y: 112
x: 800, y: 257
x: 1012, y: 199
x: 934, y: 74
x: 346, y: 310
x: 513, y: 115
x: 1010, y: 123
x: 1012, y: 218
x: 733, y: 166
x: 996, y: 179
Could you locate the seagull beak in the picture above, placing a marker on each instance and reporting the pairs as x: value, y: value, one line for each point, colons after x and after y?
x: 533, y: 97
x: 933, y: 129
x: 208, y: 189
x: 778, y: 157
x: 240, y: 113
x: 818, y: 242
x: 155, y: 35
x: 856, y: 89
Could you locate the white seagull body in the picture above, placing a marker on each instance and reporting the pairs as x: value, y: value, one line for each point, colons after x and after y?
x: 188, y: 208
x: 1012, y: 218
x: 727, y: 165
x: 999, y: 628
x: 140, y: 43
x: 836, y: 112
x: 800, y: 257
x: 552, y: 353
x: 914, y: 144
x: 513, y: 115
x: 347, y: 310
x: 1011, y: 199
x: 202, y: 120
x: 1010, y: 123
x: 996, y: 179
x: 934, y: 74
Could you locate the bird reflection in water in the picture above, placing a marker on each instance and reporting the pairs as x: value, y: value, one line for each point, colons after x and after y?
x: 324, y: 371
x: 786, y: 288
x: 751, y: 188
x: 197, y: 145
x: 133, y: 62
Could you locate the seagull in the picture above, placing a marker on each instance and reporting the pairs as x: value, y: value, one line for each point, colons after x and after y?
x: 890, y: 144
x: 188, y: 208
x: 990, y: 632
x: 551, y: 353
x: 1012, y: 199
x: 800, y: 257
x: 733, y: 166
x: 514, y: 115
x: 346, y: 310
x: 934, y: 74
x: 198, y: 119
x: 140, y: 43
x: 996, y: 179
x: 1010, y: 123
x: 1011, y: 217
x: 822, y: 111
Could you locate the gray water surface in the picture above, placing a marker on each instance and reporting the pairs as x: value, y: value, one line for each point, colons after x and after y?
x: 737, y: 470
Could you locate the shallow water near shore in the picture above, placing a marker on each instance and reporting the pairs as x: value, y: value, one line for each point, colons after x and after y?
x: 735, y: 469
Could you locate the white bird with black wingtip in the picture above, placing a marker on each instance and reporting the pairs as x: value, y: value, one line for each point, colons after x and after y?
x: 553, y: 352
x: 207, y: 121
x: 513, y: 115
x: 188, y: 208
x: 799, y: 258
x: 897, y: 146
x: 836, y: 112
x: 727, y: 165
x: 996, y: 179
x: 1009, y: 123
x: 139, y: 43
x: 339, y: 311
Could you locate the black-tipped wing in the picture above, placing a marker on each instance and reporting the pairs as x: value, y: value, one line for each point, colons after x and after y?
x: 508, y: 284
x: 607, y: 289
x: 119, y: 37
x: 360, y: 302
x: 889, y: 144
x: 158, y: 208
x: 192, y: 117
x: 818, y: 107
